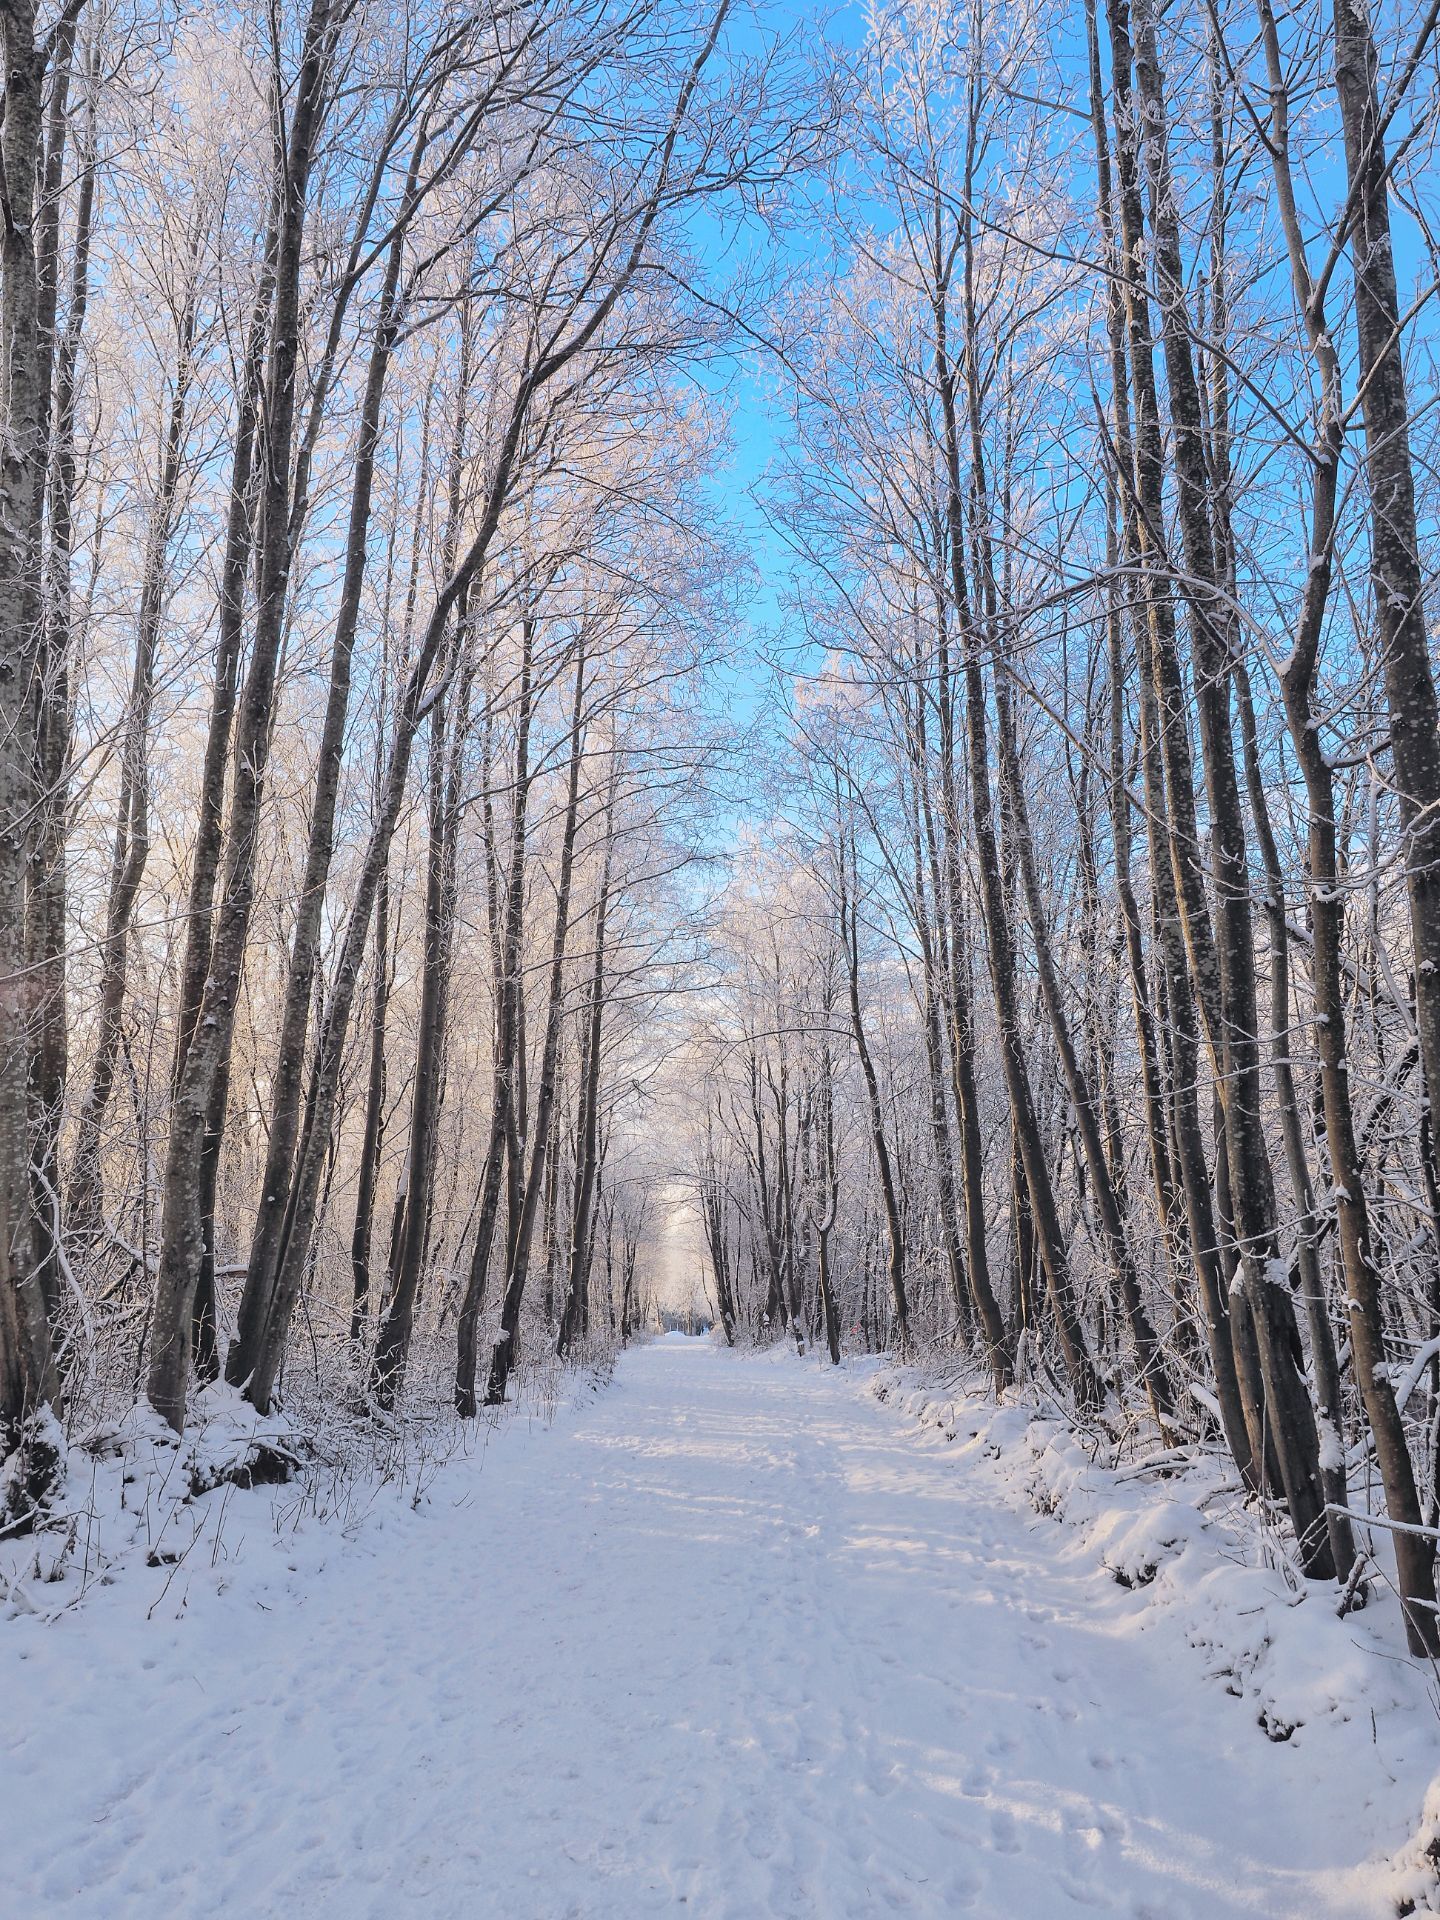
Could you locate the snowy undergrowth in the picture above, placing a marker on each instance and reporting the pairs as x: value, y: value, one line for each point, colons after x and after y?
x: 1188, y: 1555
x: 157, y: 1511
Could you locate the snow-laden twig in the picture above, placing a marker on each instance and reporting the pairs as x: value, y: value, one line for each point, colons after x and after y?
x: 1430, y: 1351
x: 1383, y: 1520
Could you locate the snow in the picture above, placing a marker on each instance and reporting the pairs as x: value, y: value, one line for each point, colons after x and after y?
x: 731, y: 1638
x: 1332, y: 1449
x: 1405, y: 1385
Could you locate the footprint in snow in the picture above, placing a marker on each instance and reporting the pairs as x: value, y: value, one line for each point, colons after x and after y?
x: 1086, y: 1830
x: 1056, y: 1709
x: 1086, y: 1893
x: 954, y: 1830
x: 962, y: 1891
x: 1003, y: 1834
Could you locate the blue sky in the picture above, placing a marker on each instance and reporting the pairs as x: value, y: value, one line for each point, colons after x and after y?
x: 748, y: 388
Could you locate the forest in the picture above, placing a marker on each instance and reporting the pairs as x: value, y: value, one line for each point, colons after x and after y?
x: 671, y: 659
x: 1110, y: 774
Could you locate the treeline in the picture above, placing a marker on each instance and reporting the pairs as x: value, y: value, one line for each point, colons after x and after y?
x: 359, y: 591
x: 1083, y: 1010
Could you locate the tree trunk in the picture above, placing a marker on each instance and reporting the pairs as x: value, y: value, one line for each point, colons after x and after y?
x: 587, y: 1131
x: 1113, y: 1228
x: 1414, y: 1554
x: 46, y: 903
x: 287, y: 1079
x: 502, y: 1357
x: 182, y: 1227
x: 447, y: 747
x: 850, y: 940
x: 503, y: 1145
x: 999, y: 944
x: 1223, y: 956
x: 28, y: 1379
x: 362, y: 1236
x: 131, y: 851
x: 1395, y: 565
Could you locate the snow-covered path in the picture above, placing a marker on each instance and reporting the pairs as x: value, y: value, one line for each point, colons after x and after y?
x: 731, y: 1641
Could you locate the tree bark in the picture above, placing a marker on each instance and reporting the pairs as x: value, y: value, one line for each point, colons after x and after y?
x: 287, y: 1078
x: 502, y: 1356
x: 46, y: 935
x: 848, y: 904
x: 392, y: 1349
x: 1396, y: 572
x: 588, y: 1127
x: 999, y: 944
x: 29, y: 1381
x: 1113, y: 1227
x: 503, y: 1147
x: 182, y: 1236
x: 1223, y: 954
x: 131, y: 849
x: 363, y: 1233
x: 1413, y: 1553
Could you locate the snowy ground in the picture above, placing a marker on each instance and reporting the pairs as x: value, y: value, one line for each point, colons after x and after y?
x: 733, y: 1640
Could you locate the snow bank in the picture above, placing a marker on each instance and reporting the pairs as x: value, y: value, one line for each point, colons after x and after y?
x: 137, y: 1495
x: 1175, y: 1535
